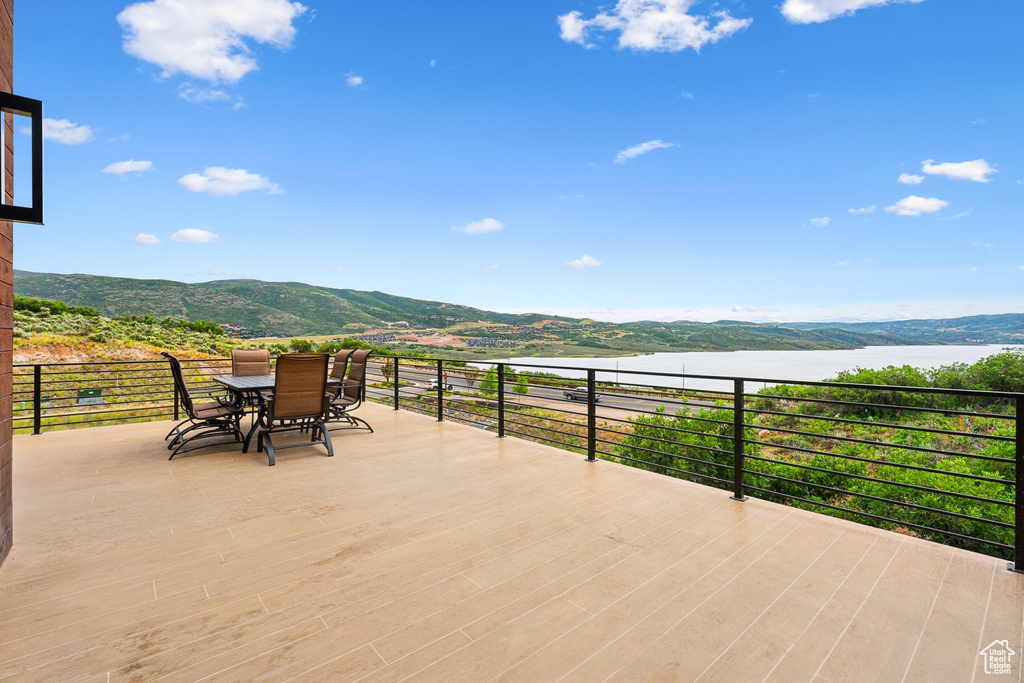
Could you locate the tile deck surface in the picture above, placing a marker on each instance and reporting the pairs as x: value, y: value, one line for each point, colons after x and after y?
x: 437, y: 552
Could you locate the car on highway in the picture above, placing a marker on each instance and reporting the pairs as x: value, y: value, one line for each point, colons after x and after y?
x: 579, y: 394
x: 432, y: 386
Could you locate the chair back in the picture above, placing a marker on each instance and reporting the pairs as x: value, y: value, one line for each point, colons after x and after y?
x: 179, y: 381
x: 249, y: 362
x: 356, y: 380
x: 340, y: 364
x: 300, y: 386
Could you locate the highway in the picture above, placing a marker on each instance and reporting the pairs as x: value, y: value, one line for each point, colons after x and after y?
x: 610, y: 404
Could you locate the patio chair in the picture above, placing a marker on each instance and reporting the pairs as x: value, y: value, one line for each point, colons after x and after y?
x: 299, y: 402
x: 247, y: 363
x: 340, y: 364
x: 351, y: 394
x: 218, y: 417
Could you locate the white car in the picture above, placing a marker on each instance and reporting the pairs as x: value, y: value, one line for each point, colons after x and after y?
x: 579, y: 394
x: 432, y: 386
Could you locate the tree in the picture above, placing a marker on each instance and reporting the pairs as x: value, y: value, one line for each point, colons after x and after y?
x: 521, y: 387
x: 489, y: 384
x: 386, y: 368
x: 472, y: 375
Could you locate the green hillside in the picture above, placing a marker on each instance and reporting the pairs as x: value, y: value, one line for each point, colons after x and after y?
x: 290, y: 309
x: 1007, y: 328
x: 262, y: 308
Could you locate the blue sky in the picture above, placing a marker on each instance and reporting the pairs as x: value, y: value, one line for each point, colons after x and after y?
x: 664, y: 159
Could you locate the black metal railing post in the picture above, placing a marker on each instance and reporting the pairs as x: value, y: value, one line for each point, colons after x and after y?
x: 737, y: 440
x: 501, y: 400
x: 37, y: 398
x: 440, y: 390
x: 176, y: 401
x: 1018, y: 497
x: 395, y: 375
x: 591, y: 416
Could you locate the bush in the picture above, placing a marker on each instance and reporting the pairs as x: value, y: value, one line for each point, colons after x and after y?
x: 203, y: 326
x: 25, y: 303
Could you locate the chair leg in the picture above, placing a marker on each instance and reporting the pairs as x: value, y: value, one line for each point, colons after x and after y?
x: 175, y: 429
x: 180, y: 436
x: 212, y: 430
x: 354, y: 421
x: 327, y: 437
x: 270, y: 447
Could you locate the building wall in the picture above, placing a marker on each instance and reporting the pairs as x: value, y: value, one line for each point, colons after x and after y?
x: 6, y: 286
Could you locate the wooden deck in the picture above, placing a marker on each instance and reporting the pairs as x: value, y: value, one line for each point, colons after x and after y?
x: 437, y: 552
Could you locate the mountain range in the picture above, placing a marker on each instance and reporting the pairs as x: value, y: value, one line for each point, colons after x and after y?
x: 255, y: 308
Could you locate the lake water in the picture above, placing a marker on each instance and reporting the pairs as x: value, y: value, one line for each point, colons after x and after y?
x: 792, y: 365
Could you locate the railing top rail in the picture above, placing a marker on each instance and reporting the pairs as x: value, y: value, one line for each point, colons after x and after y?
x: 644, y: 373
x: 120, y: 362
x: 756, y: 380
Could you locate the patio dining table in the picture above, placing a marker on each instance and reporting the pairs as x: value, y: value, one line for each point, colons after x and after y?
x: 247, y: 384
x: 252, y: 383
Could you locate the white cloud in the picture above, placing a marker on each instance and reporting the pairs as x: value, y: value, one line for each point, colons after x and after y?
x: 570, y: 196
x: 146, y: 238
x: 915, y: 206
x: 65, y: 132
x: 1020, y: 181
x: 975, y: 269
x: 662, y: 25
x: 479, y: 227
x: 218, y: 272
x: 353, y: 81
x: 491, y: 269
x: 206, y: 38
x: 130, y: 166
x: 821, y: 222
x: 220, y: 181
x: 908, y: 179
x: 866, y: 209
x: 433, y: 63
x: 843, y: 263
x: 959, y: 215
x: 190, y: 93
x: 817, y: 11
x: 977, y: 170
x: 643, y: 148
x: 582, y: 262
x: 194, y: 235
x: 336, y: 269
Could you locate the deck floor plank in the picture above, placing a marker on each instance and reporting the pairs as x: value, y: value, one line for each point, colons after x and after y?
x: 435, y: 551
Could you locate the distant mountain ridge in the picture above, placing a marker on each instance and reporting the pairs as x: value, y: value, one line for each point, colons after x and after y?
x: 287, y: 309
x: 1005, y: 328
x: 263, y: 308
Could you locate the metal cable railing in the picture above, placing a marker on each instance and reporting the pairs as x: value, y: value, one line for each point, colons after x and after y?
x: 932, y: 462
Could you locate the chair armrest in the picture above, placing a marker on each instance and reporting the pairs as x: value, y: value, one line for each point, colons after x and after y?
x: 232, y: 400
